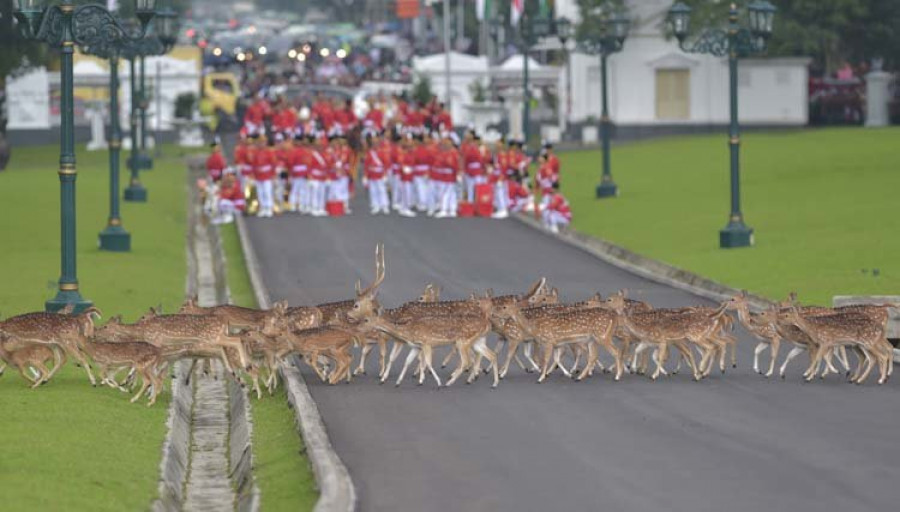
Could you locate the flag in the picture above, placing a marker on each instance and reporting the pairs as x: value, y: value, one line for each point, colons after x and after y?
x: 483, y: 9
x: 517, y: 9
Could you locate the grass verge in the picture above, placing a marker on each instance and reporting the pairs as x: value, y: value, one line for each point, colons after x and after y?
x: 285, y: 479
x: 68, y: 446
x: 821, y: 202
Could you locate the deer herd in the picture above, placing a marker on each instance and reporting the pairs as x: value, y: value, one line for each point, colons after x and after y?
x: 534, y: 329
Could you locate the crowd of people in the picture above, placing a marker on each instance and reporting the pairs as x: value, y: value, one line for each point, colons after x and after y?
x: 407, y: 157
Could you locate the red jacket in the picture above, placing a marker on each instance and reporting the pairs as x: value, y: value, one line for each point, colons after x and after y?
x: 517, y: 194
x: 407, y: 162
x: 377, y: 162
x: 374, y: 120
x: 299, y: 162
x: 319, y: 163
x: 446, y: 166
x: 424, y: 158
x: 215, y: 165
x: 284, y: 120
x: 264, y: 164
x: 474, y: 160
x: 233, y: 193
x: 559, y: 204
x: 546, y: 178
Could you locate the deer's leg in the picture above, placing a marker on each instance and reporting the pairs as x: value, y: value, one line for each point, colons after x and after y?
x: 382, y: 353
x: 869, y: 365
x: 756, y: 352
x: 81, y: 358
x: 429, y: 364
x: 547, y: 350
x: 528, y: 352
x: 447, y: 358
x: 157, y: 387
x: 480, y: 346
x: 796, y: 350
x: 59, y: 359
x: 395, y: 351
x: 591, y: 360
x: 815, y: 359
x: 659, y: 357
x: 463, y: 362
x: 511, y: 348
x: 361, y: 368
x: 774, y: 346
x: 144, y: 384
x: 413, y: 353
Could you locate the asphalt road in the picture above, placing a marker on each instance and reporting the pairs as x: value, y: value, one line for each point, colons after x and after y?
x: 733, y: 443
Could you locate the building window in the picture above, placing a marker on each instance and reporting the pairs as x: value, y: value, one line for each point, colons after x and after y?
x: 673, y: 94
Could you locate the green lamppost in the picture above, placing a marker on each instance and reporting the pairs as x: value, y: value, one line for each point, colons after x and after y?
x: 531, y: 30
x: 64, y: 26
x: 166, y: 31
x: 604, y: 37
x: 734, y: 41
x: 135, y: 51
x: 114, y: 237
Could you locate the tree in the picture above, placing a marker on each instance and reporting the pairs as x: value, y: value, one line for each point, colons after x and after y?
x: 421, y: 92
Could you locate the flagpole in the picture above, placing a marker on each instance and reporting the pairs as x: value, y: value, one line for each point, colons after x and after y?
x: 447, y: 100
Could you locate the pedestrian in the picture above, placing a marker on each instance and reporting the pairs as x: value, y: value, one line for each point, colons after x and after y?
x: 215, y: 163
x: 447, y: 170
x: 318, y: 176
x: 298, y: 198
x: 231, y: 199
x: 557, y: 213
x: 475, y: 157
x: 264, y: 176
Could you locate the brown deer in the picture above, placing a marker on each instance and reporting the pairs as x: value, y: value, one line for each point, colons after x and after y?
x: 145, y: 358
x: 851, y: 329
x: 465, y: 332
x: 762, y: 326
x: 432, y: 293
x: 63, y: 330
x: 31, y: 357
x: 331, y: 342
x: 551, y: 331
x: 237, y: 317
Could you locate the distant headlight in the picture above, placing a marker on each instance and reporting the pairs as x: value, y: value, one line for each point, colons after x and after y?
x: 217, y: 52
x: 263, y: 50
x: 292, y: 53
x: 324, y: 52
x: 341, y: 53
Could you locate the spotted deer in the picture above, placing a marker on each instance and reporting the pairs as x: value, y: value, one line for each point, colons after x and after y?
x: 52, y: 329
x: 848, y: 329
x: 238, y: 317
x: 551, y: 331
x: 145, y: 358
x: 762, y: 326
x: 332, y: 342
x: 432, y: 293
x: 465, y: 332
x: 31, y: 357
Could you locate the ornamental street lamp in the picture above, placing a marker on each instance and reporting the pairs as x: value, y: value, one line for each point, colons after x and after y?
x: 114, y: 237
x: 735, y: 42
x: 64, y: 26
x: 153, y: 43
x: 531, y: 30
x: 605, y: 37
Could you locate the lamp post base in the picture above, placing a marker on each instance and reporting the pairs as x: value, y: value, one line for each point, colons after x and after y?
x: 141, y: 161
x: 136, y: 193
x: 64, y: 298
x: 115, y: 239
x: 607, y: 189
x: 735, y: 234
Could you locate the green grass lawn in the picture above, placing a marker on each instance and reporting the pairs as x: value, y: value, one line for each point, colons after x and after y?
x: 285, y: 479
x: 68, y: 446
x: 822, y: 203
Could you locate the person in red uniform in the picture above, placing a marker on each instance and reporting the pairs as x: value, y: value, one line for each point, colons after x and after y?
x: 374, y: 120
x: 475, y: 157
x: 392, y: 141
x: 319, y: 163
x: 264, y: 174
x: 231, y: 199
x: 446, y: 168
x: 442, y: 119
x: 345, y: 118
x: 421, y: 169
x: 298, y: 167
x: 557, y: 213
x: 500, y: 177
x: 518, y: 195
x: 215, y: 163
x: 546, y: 177
x: 552, y: 159
x: 243, y: 160
x: 376, y: 164
x: 256, y: 114
x: 284, y: 120
x: 406, y: 160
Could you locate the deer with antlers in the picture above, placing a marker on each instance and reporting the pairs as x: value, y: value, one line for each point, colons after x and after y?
x: 53, y: 329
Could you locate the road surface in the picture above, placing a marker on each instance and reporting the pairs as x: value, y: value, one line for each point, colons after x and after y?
x: 733, y: 443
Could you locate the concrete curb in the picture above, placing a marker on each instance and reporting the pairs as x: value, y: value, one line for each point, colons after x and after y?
x: 336, y: 491
x: 176, y: 447
x: 240, y: 430
x: 648, y: 268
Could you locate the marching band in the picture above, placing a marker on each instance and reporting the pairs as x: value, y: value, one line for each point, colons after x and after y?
x: 408, y: 157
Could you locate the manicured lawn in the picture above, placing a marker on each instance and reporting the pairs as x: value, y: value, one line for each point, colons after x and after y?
x: 823, y: 204
x: 68, y: 446
x: 282, y: 472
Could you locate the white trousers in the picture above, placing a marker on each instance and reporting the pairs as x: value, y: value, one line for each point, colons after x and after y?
x: 470, y: 182
x: 435, y: 195
x: 553, y: 220
x: 299, y: 197
x: 501, y: 196
x: 396, y: 190
x: 339, y: 190
x: 448, y: 197
x: 317, y: 196
x: 378, y: 195
x: 265, y: 195
x: 408, y: 188
x: 421, y: 185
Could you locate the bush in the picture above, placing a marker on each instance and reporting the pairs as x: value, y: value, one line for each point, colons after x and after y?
x: 184, y: 105
x: 421, y: 92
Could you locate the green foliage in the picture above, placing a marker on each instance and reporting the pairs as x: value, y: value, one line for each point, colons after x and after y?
x: 822, y: 204
x: 478, y: 91
x: 184, y: 105
x: 60, y: 441
x: 16, y: 53
x: 421, y: 92
x: 830, y: 31
x: 592, y: 13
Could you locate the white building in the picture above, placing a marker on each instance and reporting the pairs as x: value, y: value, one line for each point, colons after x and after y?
x: 653, y: 83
